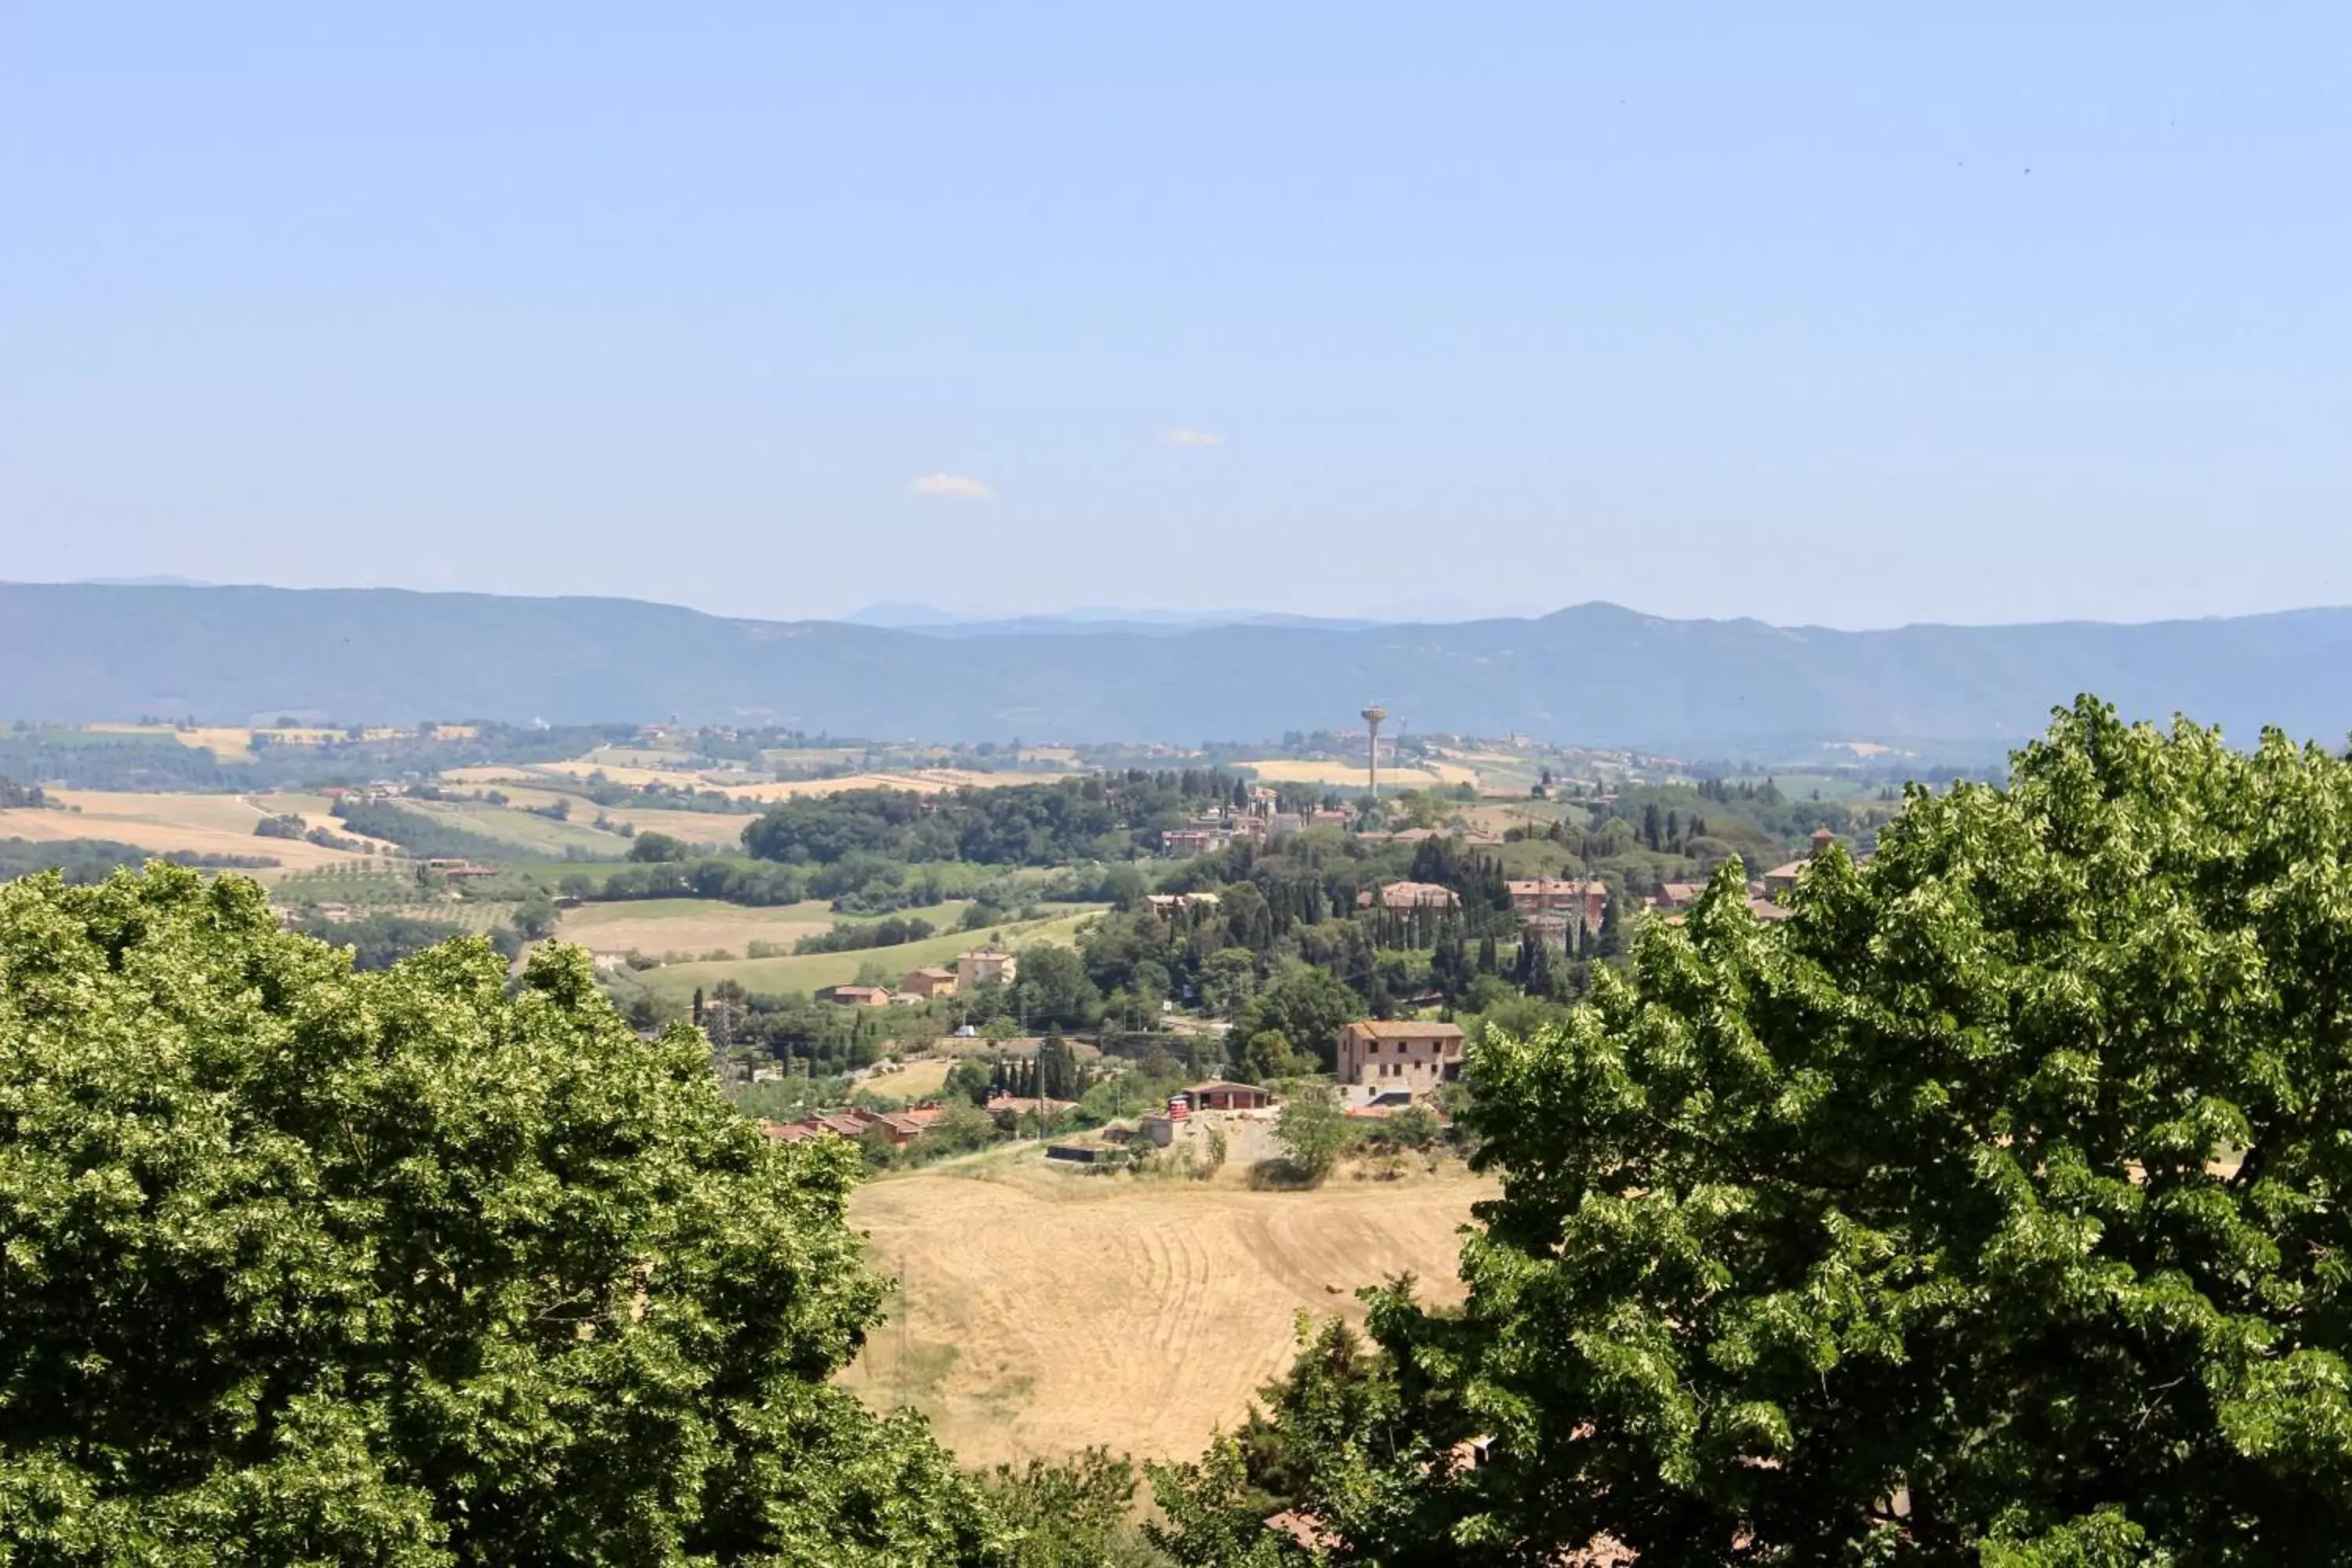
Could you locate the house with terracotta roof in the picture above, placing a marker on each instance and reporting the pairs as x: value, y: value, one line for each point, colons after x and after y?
x: 927, y: 984
x: 1780, y: 879
x: 1401, y: 898
x: 1223, y: 1094
x: 1389, y: 1055
x: 986, y: 967
x: 1578, y: 897
x: 855, y: 995
x: 901, y: 1127
x: 1679, y: 895
x: 1168, y: 906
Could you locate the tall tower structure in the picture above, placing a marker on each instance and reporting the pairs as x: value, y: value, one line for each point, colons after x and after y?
x: 1372, y: 717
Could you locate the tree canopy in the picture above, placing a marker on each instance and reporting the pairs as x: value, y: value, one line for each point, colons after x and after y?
x: 1989, y: 1209
x: 304, y: 1264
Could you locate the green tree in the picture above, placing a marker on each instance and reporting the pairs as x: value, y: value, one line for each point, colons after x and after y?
x: 1987, y: 1209
x: 658, y: 846
x: 970, y: 1079
x: 1055, y: 988
x: 536, y: 917
x: 1228, y: 980
x: 1123, y: 886
x: 1268, y: 1057
x: 1057, y: 1068
x: 1308, y: 1007
x: 1075, y: 1514
x: 1312, y: 1128
x: 309, y: 1264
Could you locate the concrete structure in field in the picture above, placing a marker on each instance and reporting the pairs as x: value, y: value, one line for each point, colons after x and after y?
x: 1389, y: 1056
x: 1372, y: 716
x: 985, y: 966
x: 928, y: 983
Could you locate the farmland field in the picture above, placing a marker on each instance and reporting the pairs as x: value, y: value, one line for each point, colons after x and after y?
x: 1047, y: 1311
x: 1344, y: 775
x: 914, y: 1080
x: 724, y: 830
x: 810, y: 972
x: 698, y: 925
x: 232, y: 744
x: 742, y: 786
x: 204, y: 823
x: 525, y: 833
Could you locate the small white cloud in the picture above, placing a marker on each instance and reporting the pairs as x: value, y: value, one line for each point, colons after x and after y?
x: 961, y: 487
x: 1183, y: 437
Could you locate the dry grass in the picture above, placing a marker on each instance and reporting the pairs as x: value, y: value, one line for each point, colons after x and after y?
x: 742, y: 786
x: 923, y: 781
x: 722, y: 830
x: 203, y: 823
x: 1293, y: 770
x: 1049, y: 1310
x: 231, y: 742
x: 914, y: 1080
x: 811, y: 971
x: 691, y: 925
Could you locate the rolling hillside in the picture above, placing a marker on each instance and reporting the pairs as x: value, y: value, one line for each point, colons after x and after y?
x: 1596, y: 674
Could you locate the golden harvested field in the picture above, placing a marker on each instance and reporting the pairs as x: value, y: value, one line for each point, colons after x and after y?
x: 1050, y: 1310
x: 700, y: 925
x: 913, y: 1080
x: 743, y: 786
x: 203, y: 823
x: 724, y: 830
x: 721, y: 830
x: 923, y: 781
x: 488, y: 773
x: 580, y: 767
x: 232, y: 742
x: 1292, y: 770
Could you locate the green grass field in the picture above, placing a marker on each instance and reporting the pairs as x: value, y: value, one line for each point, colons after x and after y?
x: 529, y: 835
x: 1831, y: 786
x: 810, y: 972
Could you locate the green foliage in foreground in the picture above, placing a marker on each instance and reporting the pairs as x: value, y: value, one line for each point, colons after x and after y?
x: 304, y: 1264
x: 1989, y: 1210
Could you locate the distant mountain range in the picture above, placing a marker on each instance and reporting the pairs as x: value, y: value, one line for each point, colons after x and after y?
x: 1596, y: 674
x: 932, y: 621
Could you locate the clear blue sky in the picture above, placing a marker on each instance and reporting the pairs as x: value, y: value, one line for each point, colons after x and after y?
x: 1709, y: 309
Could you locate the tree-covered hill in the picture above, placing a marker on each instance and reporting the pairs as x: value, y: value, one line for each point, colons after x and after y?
x: 1596, y: 673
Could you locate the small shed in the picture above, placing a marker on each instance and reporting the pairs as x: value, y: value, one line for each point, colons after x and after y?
x: 1223, y: 1094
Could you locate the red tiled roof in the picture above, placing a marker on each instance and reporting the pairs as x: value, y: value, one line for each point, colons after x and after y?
x: 1404, y: 1029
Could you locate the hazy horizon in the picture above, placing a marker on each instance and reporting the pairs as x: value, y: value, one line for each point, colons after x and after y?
x: 1860, y: 320
x: 915, y: 616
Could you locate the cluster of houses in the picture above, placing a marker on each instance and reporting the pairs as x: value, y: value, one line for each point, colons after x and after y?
x: 1763, y: 894
x: 1259, y: 819
x: 981, y: 966
x: 1555, y: 909
x: 900, y: 1126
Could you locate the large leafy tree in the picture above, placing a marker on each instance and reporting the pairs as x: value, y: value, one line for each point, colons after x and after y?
x: 304, y: 1264
x: 1990, y: 1209
x: 1308, y: 1007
